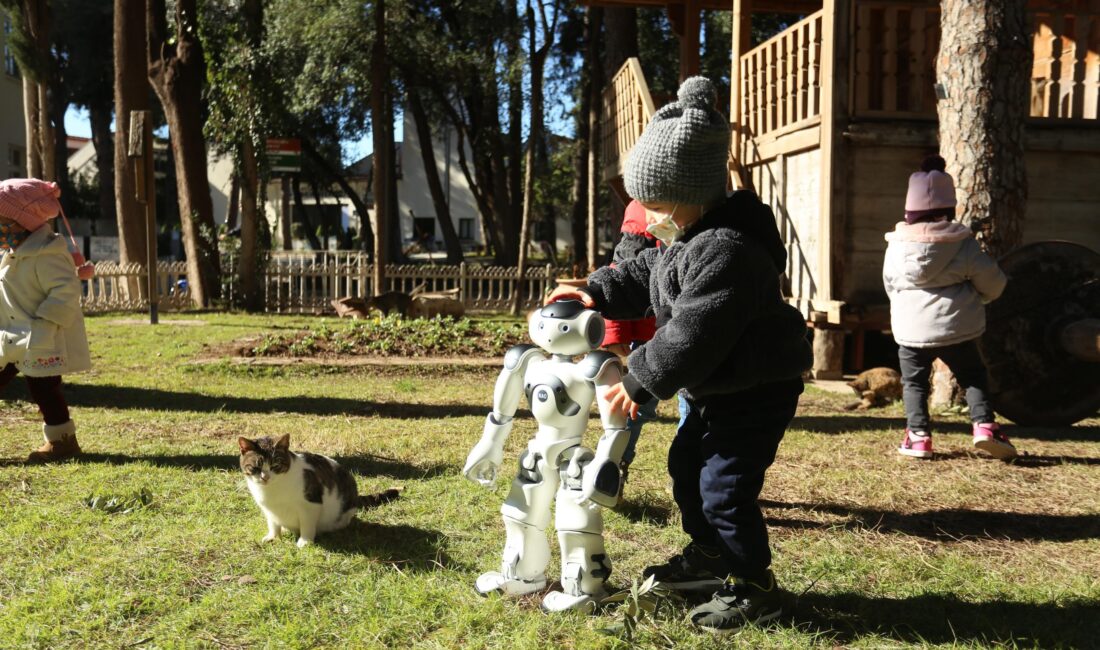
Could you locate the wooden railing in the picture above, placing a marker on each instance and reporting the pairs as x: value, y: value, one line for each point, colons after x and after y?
x: 781, y: 80
x: 627, y: 108
x: 896, y: 42
x: 1065, y: 80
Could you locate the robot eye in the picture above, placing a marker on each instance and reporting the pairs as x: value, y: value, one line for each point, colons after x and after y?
x: 542, y: 326
x: 564, y: 327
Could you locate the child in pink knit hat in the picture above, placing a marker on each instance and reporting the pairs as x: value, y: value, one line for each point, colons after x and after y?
x: 41, y: 325
x: 939, y: 280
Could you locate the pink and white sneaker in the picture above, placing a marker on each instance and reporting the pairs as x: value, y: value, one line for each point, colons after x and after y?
x: 988, y: 438
x: 917, y: 444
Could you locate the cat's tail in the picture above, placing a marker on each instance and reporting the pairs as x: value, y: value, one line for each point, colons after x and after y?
x: 367, y: 501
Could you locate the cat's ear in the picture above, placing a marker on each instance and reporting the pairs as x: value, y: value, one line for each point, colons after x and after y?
x: 283, y: 442
x: 246, y: 445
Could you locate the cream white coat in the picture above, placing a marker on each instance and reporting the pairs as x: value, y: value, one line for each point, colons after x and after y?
x: 41, y: 325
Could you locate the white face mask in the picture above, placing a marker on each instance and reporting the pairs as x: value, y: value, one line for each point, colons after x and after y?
x: 665, y: 229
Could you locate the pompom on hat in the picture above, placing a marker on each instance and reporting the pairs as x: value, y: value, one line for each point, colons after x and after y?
x: 30, y: 203
x: 682, y: 155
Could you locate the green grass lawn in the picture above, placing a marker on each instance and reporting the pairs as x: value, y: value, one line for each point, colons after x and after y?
x: 877, y: 550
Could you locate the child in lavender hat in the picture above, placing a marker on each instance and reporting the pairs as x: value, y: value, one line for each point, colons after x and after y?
x: 939, y: 281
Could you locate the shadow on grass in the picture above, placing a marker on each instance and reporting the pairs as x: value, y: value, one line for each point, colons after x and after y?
x: 846, y: 423
x: 944, y: 619
x: 364, y: 465
x: 406, y: 547
x: 645, y: 510
x: 945, y: 525
x: 130, y: 397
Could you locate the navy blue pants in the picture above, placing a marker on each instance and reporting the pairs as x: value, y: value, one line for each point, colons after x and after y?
x: 717, y: 461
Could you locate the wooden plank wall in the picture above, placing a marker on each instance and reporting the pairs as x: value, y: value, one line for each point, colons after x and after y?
x: 1062, y: 167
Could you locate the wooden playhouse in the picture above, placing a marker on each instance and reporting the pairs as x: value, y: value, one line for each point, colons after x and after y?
x: 830, y: 116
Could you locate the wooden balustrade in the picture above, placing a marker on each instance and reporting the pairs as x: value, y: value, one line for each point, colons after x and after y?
x: 895, y: 46
x: 780, y: 81
x: 1065, y: 79
x: 627, y: 108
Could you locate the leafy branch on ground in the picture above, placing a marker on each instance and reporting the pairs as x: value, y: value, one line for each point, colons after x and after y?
x: 120, y: 504
x: 394, y: 336
x: 638, y: 603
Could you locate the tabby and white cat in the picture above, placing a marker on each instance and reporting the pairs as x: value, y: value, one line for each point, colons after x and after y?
x: 306, y: 493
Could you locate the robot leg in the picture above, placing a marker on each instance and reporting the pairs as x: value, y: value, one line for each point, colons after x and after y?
x: 584, y: 562
x: 526, y: 514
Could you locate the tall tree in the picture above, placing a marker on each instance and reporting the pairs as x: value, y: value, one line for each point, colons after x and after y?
x: 382, y: 146
x: 177, y: 71
x: 431, y: 172
x: 131, y: 93
x: 84, y: 32
x: 985, y: 63
x: 537, y: 55
x: 30, y: 41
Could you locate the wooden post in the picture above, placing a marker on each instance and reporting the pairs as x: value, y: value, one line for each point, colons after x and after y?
x: 284, y: 214
x: 145, y: 193
x: 742, y: 34
x: 689, y: 41
x: 828, y: 353
x: 834, y: 118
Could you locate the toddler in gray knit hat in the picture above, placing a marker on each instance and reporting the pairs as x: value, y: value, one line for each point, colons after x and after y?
x: 682, y: 155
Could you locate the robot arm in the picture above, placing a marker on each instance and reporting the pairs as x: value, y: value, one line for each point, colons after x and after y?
x: 487, y: 455
x: 602, y: 478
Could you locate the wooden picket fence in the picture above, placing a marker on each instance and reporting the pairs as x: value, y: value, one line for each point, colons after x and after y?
x: 307, y: 283
x: 122, y: 287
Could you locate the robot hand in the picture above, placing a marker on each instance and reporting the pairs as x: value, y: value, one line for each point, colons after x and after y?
x: 485, y: 458
x: 602, y: 479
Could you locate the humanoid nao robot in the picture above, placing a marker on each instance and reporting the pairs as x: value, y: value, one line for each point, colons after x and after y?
x: 560, y: 393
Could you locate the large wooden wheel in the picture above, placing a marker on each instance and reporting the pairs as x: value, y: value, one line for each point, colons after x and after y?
x: 1042, y: 339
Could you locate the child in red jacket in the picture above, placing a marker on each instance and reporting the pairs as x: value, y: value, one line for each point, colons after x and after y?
x: 622, y: 336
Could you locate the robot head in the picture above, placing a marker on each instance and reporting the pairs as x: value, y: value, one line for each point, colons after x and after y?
x: 566, y: 327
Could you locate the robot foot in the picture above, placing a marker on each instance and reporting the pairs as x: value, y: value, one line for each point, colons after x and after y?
x: 494, y: 581
x: 558, y: 601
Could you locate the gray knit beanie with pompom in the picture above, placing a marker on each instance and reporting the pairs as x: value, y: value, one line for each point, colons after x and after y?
x: 681, y: 156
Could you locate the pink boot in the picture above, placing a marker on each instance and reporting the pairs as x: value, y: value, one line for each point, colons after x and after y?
x: 988, y: 438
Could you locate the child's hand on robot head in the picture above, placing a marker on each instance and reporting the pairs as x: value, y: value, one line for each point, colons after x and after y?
x: 571, y: 293
x: 619, y: 401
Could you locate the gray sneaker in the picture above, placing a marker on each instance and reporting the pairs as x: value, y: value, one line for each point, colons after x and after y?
x: 698, y: 568
x: 739, y: 603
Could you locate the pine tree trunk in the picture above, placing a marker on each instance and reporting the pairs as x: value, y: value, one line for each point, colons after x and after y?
x: 104, y: 145
x: 431, y: 172
x: 382, y: 150
x: 30, y: 123
x: 595, y: 73
x: 131, y: 94
x: 176, y: 72
x: 985, y: 63
x: 248, y: 266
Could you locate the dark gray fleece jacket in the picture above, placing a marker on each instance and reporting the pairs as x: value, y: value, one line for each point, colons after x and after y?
x: 722, y: 323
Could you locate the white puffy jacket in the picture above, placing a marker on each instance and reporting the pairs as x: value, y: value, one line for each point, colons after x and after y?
x: 938, y: 280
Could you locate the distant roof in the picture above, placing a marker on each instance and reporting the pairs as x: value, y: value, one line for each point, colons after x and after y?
x: 363, y: 167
